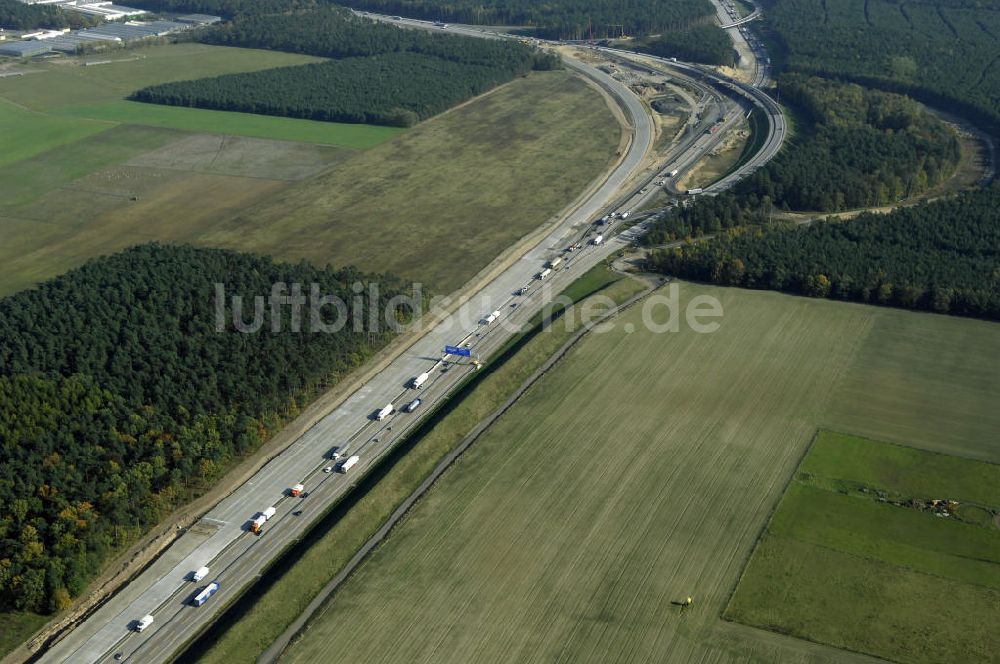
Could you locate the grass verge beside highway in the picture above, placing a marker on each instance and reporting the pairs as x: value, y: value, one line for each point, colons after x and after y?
x: 859, y: 556
x: 264, y: 614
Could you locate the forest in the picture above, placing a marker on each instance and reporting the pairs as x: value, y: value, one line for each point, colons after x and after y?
x: 16, y: 15
x: 854, y: 148
x: 379, y: 75
x: 699, y: 43
x: 555, y: 19
x: 120, y: 398
x: 396, y: 89
x: 941, y: 256
x: 945, y: 52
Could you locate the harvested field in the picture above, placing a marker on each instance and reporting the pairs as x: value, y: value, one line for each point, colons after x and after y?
x: 639, y: 472
x: 440, y: 202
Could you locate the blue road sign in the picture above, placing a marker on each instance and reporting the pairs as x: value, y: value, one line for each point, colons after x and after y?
x: 455, y: 350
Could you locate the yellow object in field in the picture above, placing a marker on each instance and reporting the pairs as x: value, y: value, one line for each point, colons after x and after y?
x: 689, y: 601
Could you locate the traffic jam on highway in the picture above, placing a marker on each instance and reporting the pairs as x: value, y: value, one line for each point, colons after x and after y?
x: 383, y: 429
x: 338, y: 468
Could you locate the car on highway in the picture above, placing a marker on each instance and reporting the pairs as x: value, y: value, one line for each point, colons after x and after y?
x: 413, y: 405
x: 328, y: 469
x: 521, y: 291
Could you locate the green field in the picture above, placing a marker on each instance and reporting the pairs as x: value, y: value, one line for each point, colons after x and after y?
x: 61, y: 90
x: 848, y: 560
x: 281, y: 604
x: 355, y: 136
x: 96, y: 173
x: 27, y: 133
x: 638, y: 472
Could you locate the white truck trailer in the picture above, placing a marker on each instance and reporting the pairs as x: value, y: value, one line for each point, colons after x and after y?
x: 385, y: 412
x: 419, y: 380
x: 348, y: 463
x: 554, y: 263
x: 544, y: 273
x: 143, y: 622
x: 598, y: 239
x: 199, y: 574
x: 206, y: 592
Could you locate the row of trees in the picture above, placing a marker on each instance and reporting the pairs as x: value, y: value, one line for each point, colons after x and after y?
x: 942, y: 50
x: 556, y: 19
x: 16, y: 15
x: 698, y: 43
x: 119, y: 396
x: 397, y: 89
x: 942, y: 256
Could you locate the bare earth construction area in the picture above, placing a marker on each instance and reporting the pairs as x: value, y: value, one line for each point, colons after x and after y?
x: 639, y: 472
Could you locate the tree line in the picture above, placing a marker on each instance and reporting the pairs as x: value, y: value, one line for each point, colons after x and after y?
x: 854, y: 148
x: 380, y: 74
x: 555, y: 19
x: 119, y: 398
x: 16, y: 15
x: 699, y: 43
x: 942, y: 256
x: 942, y: 51
x: 858, y: 148
x: 396, y: 89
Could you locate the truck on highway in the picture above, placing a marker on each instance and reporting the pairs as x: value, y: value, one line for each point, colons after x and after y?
x: 692, y: 192
x: 199, y: 574
x: 554, y: 263
x: 491, y: 317
x: 296, y: 490
x: 143, y: 622
x: 625, y: 214
x: 544, y: 273
x: 205, y: 593
x: 672, y: 173
x: 257, y: 525
x: 385, y: 412
x: 598, y: 239
x: 419, y: 380
x: 348, y: 464
x: 258, y: 522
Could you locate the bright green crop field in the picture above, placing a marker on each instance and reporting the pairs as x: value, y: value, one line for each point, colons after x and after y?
x: 856, y: 555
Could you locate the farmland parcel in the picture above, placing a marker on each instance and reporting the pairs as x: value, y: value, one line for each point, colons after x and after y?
x: 640, y: 472
x: 96, y: 173
x: 867, y: 537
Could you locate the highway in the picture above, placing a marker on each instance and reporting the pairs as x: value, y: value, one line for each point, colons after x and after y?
x: 222, y: 541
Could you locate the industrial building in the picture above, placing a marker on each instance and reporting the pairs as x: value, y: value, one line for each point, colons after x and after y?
x: 112, y: 33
